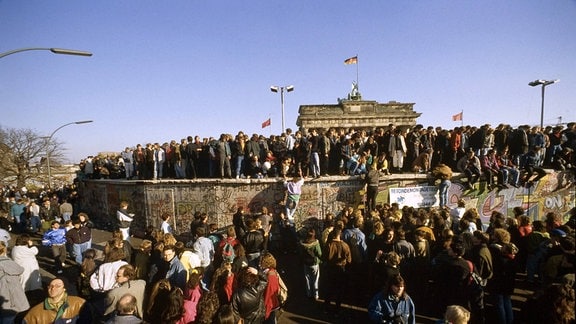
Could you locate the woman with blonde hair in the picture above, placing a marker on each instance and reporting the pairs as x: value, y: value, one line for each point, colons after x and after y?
x: 456, y: 314
x: 271, y: 302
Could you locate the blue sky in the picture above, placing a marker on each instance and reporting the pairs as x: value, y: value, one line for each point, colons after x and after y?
x: 164, y: 70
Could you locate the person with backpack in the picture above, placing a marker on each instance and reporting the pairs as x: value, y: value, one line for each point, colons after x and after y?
x: 225, y: 248
x: 310, y: 254
x: 272, y: 291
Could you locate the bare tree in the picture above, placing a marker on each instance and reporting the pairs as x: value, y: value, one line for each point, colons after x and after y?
x: 19, y: 148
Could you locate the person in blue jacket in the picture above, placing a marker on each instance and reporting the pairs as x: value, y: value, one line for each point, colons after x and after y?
x: 56, y: 238
x: 392, y: 304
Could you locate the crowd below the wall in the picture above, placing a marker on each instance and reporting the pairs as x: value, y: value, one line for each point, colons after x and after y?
x: 395, y: 262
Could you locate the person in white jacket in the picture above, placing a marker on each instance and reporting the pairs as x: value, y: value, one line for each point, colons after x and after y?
x: 104, y: 278
x: 24, y: 253
x: 125, y: 219
x: 397, y: 149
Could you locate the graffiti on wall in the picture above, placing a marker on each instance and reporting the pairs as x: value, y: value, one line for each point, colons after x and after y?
x: 551, y: 194
x: 220, y: 199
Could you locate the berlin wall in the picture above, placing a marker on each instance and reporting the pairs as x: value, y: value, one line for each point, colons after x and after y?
x: 220, y: 199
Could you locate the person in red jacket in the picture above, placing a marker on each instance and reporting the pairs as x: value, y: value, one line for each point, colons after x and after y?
x: 271, y: 302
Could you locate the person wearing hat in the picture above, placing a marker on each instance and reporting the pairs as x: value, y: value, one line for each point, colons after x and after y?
x: 58, y: 307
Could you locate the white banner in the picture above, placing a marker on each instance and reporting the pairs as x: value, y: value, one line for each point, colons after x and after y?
x: 424, y: 196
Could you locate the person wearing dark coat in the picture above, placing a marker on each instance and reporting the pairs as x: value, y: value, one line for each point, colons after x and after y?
x: 501, y: 285
x: 248, y: 298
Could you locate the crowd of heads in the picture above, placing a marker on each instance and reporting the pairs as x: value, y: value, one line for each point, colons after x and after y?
x: 335, y: 151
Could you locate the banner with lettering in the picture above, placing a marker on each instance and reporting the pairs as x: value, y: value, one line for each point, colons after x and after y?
x: 417, y: 197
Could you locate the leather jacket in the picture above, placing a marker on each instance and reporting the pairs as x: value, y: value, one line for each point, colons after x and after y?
x: 248, y: 302
x: 253, y: 241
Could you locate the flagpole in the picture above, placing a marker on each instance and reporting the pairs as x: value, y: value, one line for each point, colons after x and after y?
x: 357, y: 63
x: 462, y: 119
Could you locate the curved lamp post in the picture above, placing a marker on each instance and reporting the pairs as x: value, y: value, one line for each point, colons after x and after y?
x: 54, y: 50
x: 289, y: 88
x: 49, y: 138
x: 543, y: 83
x: 51, y: 49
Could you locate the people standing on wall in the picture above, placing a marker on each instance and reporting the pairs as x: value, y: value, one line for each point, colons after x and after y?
x: 314, y: 144
x: 397, y: 150
x: 159, y: 159
x: 443, y: 173
x: 371, y: 181
x: 125, y: 218
x: 128, y: 158
x: 190, y: 148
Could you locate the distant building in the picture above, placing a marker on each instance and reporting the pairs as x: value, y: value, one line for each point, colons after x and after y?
x: 358, y: 114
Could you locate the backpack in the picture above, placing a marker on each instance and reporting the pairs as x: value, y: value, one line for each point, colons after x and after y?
x: 355, y: 251
x: 475, y: 281
x: 228, y: 253
x: 282, y: 291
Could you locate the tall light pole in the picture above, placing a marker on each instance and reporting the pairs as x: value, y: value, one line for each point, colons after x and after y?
x: 543, y: 83
x: 54, y: 50
x: 49, y: 138
x: 289, y: 88
x: 51, y: 49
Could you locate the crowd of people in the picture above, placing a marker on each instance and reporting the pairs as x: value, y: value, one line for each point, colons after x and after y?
x: 403, y: 259
x: 504, y: 151
x: 439, y: 260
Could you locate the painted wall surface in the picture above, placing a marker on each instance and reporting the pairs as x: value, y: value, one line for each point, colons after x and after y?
x: 221, y: 198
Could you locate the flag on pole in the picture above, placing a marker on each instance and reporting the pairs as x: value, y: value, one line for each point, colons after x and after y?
x: 458, y: 116
x: 352, y: 60
x: 266, y: 123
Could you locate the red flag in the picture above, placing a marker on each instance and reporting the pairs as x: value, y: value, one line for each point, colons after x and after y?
x: 458, y: 116
x: 352, y: 60
x: 266, y: 123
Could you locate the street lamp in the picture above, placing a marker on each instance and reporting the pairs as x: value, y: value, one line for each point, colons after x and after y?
x: 543, y: 83
x: 289, y: 88
x: 49, y: 138
x: 51, y: 49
